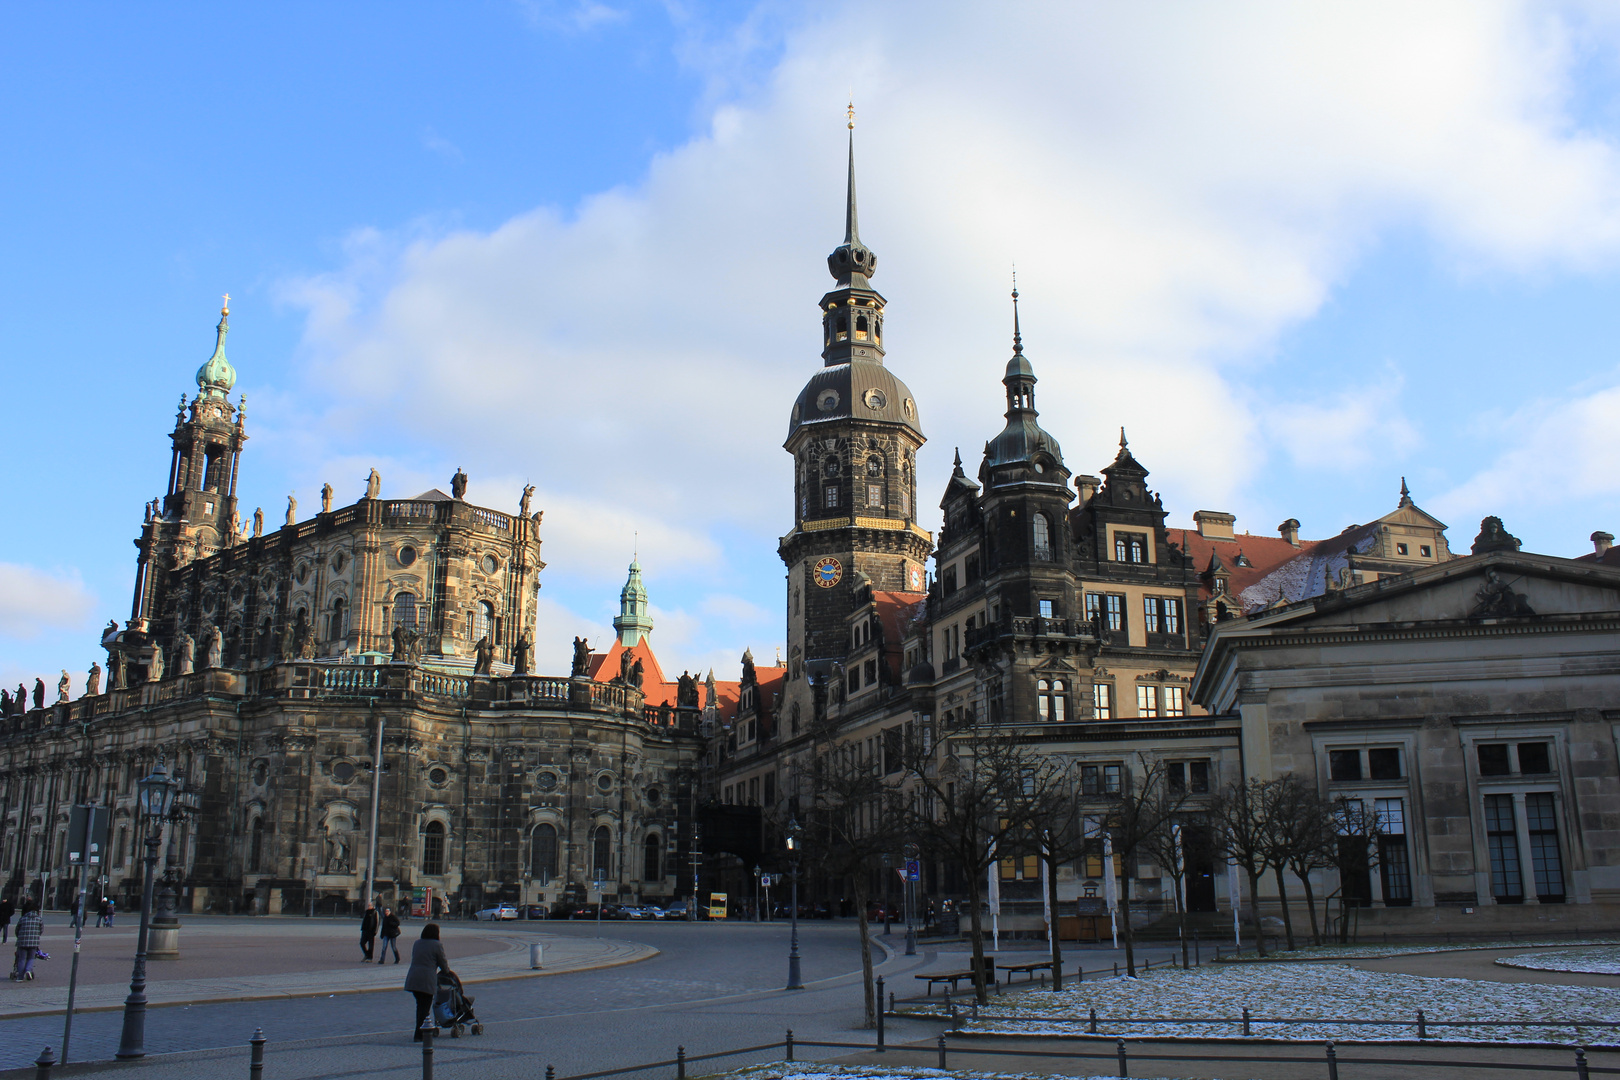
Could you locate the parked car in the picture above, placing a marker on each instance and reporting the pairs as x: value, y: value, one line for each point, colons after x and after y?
x: 674, y: 910
x: 499, y: 911
x: 534, y: 911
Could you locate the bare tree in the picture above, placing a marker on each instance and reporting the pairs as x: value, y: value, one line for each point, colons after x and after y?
x: 1310, y: 838
x: 1245, y: 812
x: 1355, y: 848
x: 1172, y: 845
x: 1054, y: 834
x: 970, y: 794
x: 1144, y: 805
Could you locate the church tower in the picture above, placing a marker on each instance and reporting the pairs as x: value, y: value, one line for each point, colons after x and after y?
x: 854, y: 436
x: 197, y: 514
x: 633, y: 622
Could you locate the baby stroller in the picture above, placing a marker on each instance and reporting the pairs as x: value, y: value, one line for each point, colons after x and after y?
x: 452, y: 1008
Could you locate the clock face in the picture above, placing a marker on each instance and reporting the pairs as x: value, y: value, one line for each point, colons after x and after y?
x: 828, y: 572
x: 915, y: 577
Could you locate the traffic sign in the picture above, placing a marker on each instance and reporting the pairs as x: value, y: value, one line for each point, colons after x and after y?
x: 913, y: 870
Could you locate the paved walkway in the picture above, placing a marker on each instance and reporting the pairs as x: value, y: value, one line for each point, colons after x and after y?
x: 266, y: 959
x: 1481, y: 964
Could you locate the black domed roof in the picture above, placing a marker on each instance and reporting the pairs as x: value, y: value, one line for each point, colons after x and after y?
x: 1020, y: 441
x: 860, y: 390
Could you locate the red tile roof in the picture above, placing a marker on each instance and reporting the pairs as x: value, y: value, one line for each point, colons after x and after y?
x: 1265, y: 553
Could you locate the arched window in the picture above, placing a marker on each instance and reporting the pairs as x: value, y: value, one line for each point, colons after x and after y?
x: 650, y: 858
x: 483, y: 621
x: 843, y: 328
x: 860, y: 328
x: 1043, y: 539
x: 433, y: 848
x: 335, y: 626
x: 874, y: 466
x: 601, y: 854
x: 405, y: 610
x: 255, y: 845
x: 543, y: 853
x: 1052, y: 701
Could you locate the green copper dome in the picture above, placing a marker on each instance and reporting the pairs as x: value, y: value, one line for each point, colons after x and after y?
x: 216, y: 377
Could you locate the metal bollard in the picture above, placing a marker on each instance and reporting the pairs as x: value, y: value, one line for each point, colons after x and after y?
x: 1581, y: 1072
x: 1246, y: 1031
x: 427, y: 1048
x: 942, y: 1051
x: 43, y: 1063
x: 975, y: 1008
x: 1079, y: 974
x: 680, y: 1063
x: 256, y: 1054
x: 947, y: 998
x: 1423, y: 1027
x: 1333, y: 1061
x: 551, y: 1072
x: 1094, y: 1021
x: 891, y: 1001
x: 1116, y: 969
x: 880, y: 1014
x: 1124, y: 1066
x: 789, y: 1044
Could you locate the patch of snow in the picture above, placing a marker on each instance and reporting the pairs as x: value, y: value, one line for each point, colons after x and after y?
x: 1374, y: 952
x: 1602, y: 960
x: 791, y: 1071
x: 1307, y: 1001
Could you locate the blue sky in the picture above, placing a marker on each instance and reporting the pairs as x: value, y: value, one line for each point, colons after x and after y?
x: 1297, y: 251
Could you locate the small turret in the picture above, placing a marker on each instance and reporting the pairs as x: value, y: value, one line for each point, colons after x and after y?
x: 633, y: 623
x: 217, y: 377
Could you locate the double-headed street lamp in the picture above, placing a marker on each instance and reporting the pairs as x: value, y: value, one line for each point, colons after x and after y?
x: 794, y: 982
x: 157, y: 793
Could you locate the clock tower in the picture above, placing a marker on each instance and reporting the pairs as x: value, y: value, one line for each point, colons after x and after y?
x: 854, y: 436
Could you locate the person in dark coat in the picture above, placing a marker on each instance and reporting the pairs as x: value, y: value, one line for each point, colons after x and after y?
x: 29, y: 929
x: 368, y: 929
x: 422, y: 977
x: 7, y: 910
x: 390, y: 936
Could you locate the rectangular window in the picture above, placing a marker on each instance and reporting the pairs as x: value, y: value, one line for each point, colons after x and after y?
x: 1111, y: 779
x: 1147, y: 701
x: 1093, y: 606
x: 871, y: 672
x: 1198, y: 777
x: 1102, y: 701
x: 1426, y: 551
x: 1344, y: 764
x: 1175, y: 775
x: 1507, y: 885
x: 1116, y: 611
x: 1090, y: 780
x: 1493, y: 759
x: 832, y: 497
x: 1172, y: 615
x: 1533, y: 758
x: 1150, y: 614
x: 874, y: 495
x: 971, y: 568
x: 949, y: 580
x: 1121, y: 549
x: 1046, y: 609
x: 854, y: 680
x: 1400, y: 549
x: 1174, y: 701
x: 1384, y: 763
x: 1392, y: 862
x: 1545, y: 860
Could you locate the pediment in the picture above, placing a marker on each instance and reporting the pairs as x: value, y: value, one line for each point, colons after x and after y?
x: 1413, y: 516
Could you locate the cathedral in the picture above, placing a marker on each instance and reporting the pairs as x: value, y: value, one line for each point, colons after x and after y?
x: 350, y: 703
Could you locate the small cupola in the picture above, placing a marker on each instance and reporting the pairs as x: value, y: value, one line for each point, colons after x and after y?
x: 216, y: 377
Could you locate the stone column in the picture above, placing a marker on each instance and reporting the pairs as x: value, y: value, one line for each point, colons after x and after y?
x: 1527, y: 866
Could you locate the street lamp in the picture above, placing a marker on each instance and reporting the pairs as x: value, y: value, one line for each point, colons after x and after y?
x: 757, y: 872
x: 156, y: 797
x: 794, y: 982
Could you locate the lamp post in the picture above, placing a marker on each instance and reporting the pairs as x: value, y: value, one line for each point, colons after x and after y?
x: 156, y: 796
x: 794, y: 982
x: 757, y: 872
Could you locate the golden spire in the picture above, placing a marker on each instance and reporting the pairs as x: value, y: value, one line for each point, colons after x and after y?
x: 852, y: 113
x: 225, y: 308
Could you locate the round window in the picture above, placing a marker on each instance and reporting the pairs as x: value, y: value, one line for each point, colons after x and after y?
x: 437, y: 775
x: 343, y: 772
x: 604, y: 782
x: 407, y: 555
x: 338, y: 561
x: 259, y: 773
x: 236, y: 592
x: 653, y: 795
x: 546, y: 781
x: 301, y: 575
x: 876, y: 399
x: 489, y: 564
x: 827, y: 401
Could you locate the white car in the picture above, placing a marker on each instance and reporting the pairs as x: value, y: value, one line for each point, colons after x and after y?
x: 500, y: 911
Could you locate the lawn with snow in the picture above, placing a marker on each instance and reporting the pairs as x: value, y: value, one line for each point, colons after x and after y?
x: 1307, y: 998
x: 1374, y: 952
x: 1599, y: 960
x: 789, y: 1071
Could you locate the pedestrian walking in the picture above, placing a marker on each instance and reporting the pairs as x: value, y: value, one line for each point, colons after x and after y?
x: 112, y: 909
x: 390, y: 936
x: 29, y: 929
x: 7, y: 910
x: 422, y: 977
x: 368, y: 929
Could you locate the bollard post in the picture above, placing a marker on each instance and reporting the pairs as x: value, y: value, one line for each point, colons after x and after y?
x: 1423, y: 1028
x: 789, y: 1044
x: 680, y: 1063
x: 427, y: 1048
x: 1079, y: 974
x: 43, y: 1063
x: 947, y: 999
x: 942, y: 1051
x: 256, y: 1054
x: 891, y: 1001
x: 1198, y: 956
x: 1246, y: 1032
x: 1116, y: 969
x: 1333, y: 1061
x: 1094, y: 1021
x: 551, y: 1072
x: 1581, y: 1072
x: 1124, y: 1066
x: 880, y: 995
x: 975, y: 1008
x: 880, y: 1015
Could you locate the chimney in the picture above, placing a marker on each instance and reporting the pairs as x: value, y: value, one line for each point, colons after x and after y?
x: 1601, y: 542
x: 1290, y: 531
x: 1214, y: 525
x: 1087, y: 486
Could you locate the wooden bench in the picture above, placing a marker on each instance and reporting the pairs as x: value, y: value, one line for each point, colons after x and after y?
x: 1028, y: 969
x: 957, y: 977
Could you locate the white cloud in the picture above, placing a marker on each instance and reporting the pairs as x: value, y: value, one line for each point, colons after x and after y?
x: 33, y: 601
x: 1347, y: 432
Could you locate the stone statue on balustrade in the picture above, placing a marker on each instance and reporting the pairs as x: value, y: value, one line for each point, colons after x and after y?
x: 186, y: 654
x: 64, y: 687
x: 39, y: 693
x: 306, y: 643
x: 458, y: 484
x: 624, y: 667
x: 292, y: 510
x: 686, y: 692
x: 21, y: 701
x: 582, y: 658
x: 92, y: 680
x: 326, y: 498
x: 636, y: 674
x: 523, y: 503
x: 373, y: 485
x: 522, y: 653
x: 213, y: 647
x: 258, y: 521
x: 407, y: 645
x: 484, y: 656
x: 154, y: 666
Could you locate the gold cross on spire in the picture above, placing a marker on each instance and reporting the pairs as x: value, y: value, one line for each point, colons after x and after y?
x: 226, y: 308
x: 852, y: 114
